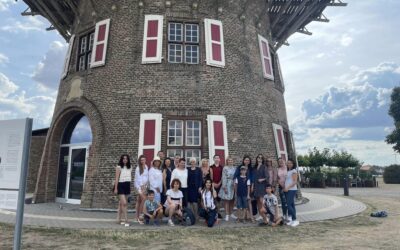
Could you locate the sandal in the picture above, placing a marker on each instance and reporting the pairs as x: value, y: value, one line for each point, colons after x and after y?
x: 140, y: 222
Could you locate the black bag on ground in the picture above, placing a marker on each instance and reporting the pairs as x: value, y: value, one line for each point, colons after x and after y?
x: 188, y: 217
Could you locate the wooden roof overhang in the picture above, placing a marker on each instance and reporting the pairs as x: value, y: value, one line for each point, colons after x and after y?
x: 286, y: 16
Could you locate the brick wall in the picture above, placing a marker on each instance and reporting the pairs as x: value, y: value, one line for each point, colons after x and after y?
x: 35, y: 155
x: 116, y: 94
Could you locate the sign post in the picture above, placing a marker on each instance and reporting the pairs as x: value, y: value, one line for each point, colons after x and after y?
x: 15, y: 140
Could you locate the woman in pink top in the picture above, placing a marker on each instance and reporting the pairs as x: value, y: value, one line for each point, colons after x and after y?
x: 282, y: 172
x: 272, y: 173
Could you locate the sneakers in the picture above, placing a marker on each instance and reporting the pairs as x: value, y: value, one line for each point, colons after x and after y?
x: 233, y: 216
x: 288, y: 221
x: 226, y: 217
x: 259, y: 218
x: 170, y: 223
x: 295, y: 223
x: 126, y: 224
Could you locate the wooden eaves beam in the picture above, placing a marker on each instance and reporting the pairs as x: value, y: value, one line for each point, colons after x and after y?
x: 49, y: 15
x: 281, y: 11
x: 300, y: 22
x: 337, y: 3
x: 61, y: 12
x: 292, y: 16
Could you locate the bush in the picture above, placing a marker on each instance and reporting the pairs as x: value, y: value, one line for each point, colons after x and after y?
x: 391, y: 175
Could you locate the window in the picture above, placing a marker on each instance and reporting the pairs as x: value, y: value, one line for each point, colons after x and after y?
x: 184, y: 138
x: 183, y: 43
x: 85, y: 51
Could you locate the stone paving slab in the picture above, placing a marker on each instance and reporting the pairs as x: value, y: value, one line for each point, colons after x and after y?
x: 320, y: 207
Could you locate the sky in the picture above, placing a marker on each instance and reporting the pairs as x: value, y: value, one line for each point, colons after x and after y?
x: 337, y: 82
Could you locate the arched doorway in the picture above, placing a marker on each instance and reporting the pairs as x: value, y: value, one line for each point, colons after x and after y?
x: 75, y: 143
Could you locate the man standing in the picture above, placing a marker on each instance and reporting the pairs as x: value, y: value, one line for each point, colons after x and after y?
x: 216, y: 169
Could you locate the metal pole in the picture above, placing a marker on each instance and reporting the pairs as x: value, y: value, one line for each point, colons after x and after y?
x: 22, y: 185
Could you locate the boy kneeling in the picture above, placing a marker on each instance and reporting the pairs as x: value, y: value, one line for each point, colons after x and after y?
x: 270, y: 207
x: 152, y: 209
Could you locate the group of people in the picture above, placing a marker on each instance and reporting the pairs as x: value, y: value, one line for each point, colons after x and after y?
x: 168, y: 188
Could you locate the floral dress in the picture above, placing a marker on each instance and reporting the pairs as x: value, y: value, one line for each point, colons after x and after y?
x: 228, y: 174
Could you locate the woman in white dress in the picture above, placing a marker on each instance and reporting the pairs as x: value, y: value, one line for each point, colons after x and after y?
x: 156, y: 178
x: 141, y: 185
x: 226, y: 192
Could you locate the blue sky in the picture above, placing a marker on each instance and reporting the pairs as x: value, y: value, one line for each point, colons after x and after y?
x: 338, y: 81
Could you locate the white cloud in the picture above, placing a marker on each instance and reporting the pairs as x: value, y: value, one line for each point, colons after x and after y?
x: 7, y: 87
x: 3, y: 59
x: 30, y: 23
x: 48, y: 70
x: 346, y: 40
x: 5, y: 4
x: 16, y: 104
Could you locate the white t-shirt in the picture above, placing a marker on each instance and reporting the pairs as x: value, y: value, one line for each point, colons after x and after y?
x: 289, y: 180
x: 141, y: 179
x: 155, y: 179
x: 270, y: 201
x: 175, y: 196
x: 208, y: 199
x: 181, y: 175
x: 126, y: 174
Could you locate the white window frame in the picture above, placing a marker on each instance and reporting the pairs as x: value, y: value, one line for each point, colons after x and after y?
x: 198, y: 33
x: 94, y: 64
x: 211, y: 143
x: 68, y: 57
x: 169, y: 52
x: 261, y: 39
x: 175, y: 149
x: 188, y: 157
x: 198, y: 53
x: 209, y: 42
x: 278, y: 151
x: 183, y: 127
x: 186, y: 134
x: 157, y: 136
x: 182, y: 34
x: 158, y: 57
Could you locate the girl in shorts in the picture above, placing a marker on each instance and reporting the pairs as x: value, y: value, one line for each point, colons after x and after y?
x: 173, y: 204
x: 122, y: 187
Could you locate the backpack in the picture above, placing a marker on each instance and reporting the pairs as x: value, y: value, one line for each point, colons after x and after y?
x: 188, y: 217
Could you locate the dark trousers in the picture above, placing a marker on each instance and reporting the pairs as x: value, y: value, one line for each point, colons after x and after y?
x: 282, y: 196
x: 211, y: 217
x: 185, y: 197
x: 290, y: 195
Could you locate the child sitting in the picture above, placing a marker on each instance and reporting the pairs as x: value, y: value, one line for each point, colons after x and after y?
x: 242, y: 191
x: 152, y: 209
x: 270, y: 207
x: 173, y: 204
x: 208, y: 209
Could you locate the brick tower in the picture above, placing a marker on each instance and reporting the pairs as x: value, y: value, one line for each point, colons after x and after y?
x: 188, y: 77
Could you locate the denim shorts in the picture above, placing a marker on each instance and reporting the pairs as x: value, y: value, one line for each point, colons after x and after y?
x: 241, y: 202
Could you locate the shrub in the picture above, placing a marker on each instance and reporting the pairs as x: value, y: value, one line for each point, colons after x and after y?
x: 391, y: 175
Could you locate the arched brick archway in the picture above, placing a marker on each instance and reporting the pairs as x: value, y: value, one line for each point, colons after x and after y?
x: 46, y: 184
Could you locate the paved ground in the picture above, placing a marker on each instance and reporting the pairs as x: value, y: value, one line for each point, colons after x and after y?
x: 320, y: 207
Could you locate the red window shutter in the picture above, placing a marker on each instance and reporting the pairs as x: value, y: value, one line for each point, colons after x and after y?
x: 152, y: 39
x: 100, y: 43
x: 280, y: 142
x: 149, y: 132
x: 68, y: 57
x: 265, y: 58
x: 149, y: 135
x: 217, y: 137
x: 215, y: 55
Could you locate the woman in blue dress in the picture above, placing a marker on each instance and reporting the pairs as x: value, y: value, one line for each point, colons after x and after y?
x: 226, y: 192
x: 195, y: 181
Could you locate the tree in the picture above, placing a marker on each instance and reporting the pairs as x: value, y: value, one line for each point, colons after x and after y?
x: 343, y: 160
x: 394, y: 111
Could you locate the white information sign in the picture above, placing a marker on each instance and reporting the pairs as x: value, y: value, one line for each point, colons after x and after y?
x: 12, y: 136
